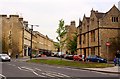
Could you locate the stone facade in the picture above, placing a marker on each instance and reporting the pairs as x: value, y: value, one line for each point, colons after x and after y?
x: 12, y: 32
x: 71, y: 30
x: 16, y: 37
x: 96, y: 30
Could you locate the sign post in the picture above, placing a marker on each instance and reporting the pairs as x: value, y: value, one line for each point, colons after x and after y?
x: 107, y: 44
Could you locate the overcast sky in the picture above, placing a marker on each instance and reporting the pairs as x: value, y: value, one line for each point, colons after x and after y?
x: 47, y: 13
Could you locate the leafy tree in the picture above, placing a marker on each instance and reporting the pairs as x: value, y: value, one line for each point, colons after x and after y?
x: 61, y: 31
x: 72, y: 44
x: 57, y: 46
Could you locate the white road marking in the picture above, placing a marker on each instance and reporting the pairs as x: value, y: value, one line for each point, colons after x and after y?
x: 22, y: 69
x: 37, y: 74
x: 44, y: 74
x: 31, y: 70
x: 38, y: 69
x: 59, y: 67
x: 64, y: 75
x: 12, y: 64
x: 3, y: 76
x: 48, y: 74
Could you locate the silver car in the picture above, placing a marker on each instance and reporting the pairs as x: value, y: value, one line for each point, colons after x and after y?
x: 4, y: 57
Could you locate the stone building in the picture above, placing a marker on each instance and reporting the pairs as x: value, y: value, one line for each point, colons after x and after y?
x: 71, y: 30
x: 40, y: 42
x: 12, y: 34
x: 95, y: 31
x: 16, y: 37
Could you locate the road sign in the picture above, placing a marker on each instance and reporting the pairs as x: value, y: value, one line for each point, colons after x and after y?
x: 107, y: 43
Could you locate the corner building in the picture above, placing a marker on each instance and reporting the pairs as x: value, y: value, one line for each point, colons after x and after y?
x: 95, y: 31
x: 12, y: 34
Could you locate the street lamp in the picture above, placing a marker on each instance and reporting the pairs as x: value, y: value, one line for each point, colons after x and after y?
x: 31, y: 39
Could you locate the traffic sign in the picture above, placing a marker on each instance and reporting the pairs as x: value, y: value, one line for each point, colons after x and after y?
x: 107, y: 43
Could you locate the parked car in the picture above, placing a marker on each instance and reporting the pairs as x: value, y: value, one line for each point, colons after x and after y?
x: 4, y: 57
x: 95, y: 58
x: 55, y: 54
x: 70, y: 57
x: 77, y: 57
x: 60, y: 54
x: 117, y: 61
x: 66, y: 56
x: 33, y: 55
x: 38, y: 55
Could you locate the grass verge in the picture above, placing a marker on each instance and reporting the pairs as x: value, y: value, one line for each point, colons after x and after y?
x: 71, y: 63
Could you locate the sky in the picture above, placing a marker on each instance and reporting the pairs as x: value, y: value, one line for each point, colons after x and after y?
x: 47, y: 13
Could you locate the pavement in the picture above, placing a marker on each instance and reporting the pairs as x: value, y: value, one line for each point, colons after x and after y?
x: 114, y: 70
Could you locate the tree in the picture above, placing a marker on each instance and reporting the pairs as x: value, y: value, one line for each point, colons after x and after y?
x: 61, y: 31
x: 57, y: 46
x: 72, y: 44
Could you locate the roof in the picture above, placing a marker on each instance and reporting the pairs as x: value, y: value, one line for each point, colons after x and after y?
x: 88, y: 19
x: 99, y: 14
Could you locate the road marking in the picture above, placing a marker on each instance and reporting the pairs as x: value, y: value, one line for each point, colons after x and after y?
x: 31, y: 70
x: 44, y: 74
x: 12, y: 64
x: 48, y: 74
x: 37, y: 74
x: 38, y: 69
x: 53, y: 74
x: 64, y: 75
x: 22, y: 69
x: 3, y: 76
x: 58, y: 67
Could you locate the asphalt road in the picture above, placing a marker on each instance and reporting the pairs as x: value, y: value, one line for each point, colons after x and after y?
x: 23, y: 70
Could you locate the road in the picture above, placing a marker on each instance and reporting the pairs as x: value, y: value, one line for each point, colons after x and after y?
x: 22, y: 70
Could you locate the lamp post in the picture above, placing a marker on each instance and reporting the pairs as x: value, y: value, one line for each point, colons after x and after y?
x: 31, y: 39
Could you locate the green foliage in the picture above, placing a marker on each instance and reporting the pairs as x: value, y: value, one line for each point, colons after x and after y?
x: 72, y: 44
x: 61, y: 31
x: 56, y: 44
